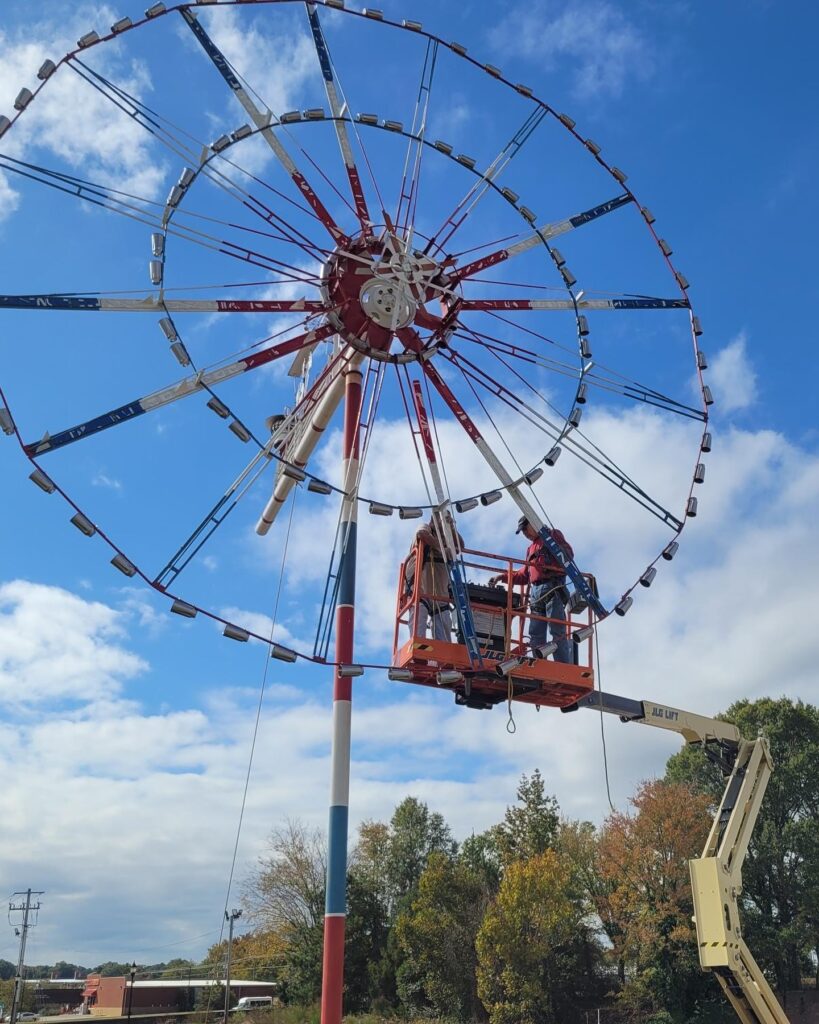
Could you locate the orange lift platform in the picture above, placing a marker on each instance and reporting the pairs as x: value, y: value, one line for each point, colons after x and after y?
x: 509, y: 668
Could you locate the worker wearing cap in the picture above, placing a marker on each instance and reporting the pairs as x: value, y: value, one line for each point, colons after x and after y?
x: 546, y: 578
x: 436, y: 535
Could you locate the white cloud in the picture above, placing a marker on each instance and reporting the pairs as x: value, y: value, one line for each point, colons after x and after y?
x: 595, y: 42
x: 732, y: 376
x: 136, y: 605
x: 9, y: 199
x: 137, y: 785
x: 56, y: 647
x: 263, y: 625
x: 69, y: 120
x: 103, y: 480
x: 276, y: 68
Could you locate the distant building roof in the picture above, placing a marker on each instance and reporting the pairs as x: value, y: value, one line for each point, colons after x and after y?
x: 196, y: 983
x: 77, y: 982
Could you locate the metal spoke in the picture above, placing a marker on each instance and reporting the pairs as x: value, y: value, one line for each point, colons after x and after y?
x: 643, y: 302
x: 542, y: 234
x: 201, y: 381
x: 412, y: 163
x: 505, y: 478
x: 592, y: 456
x: 159, y: 304
x: 262, y: 121
x: 482, y: 185
x: 148, y: 214
x: 278, y: 447
x: 155, y: 123
x: 614, y: 384
x: 338, y: 111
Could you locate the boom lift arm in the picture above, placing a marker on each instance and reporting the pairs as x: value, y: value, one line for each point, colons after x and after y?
x: 716, y: 876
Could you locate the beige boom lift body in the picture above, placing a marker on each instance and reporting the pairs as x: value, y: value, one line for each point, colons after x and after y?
x: 716, y: 876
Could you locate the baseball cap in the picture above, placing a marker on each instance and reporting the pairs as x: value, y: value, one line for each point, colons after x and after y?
x: 523, y: 521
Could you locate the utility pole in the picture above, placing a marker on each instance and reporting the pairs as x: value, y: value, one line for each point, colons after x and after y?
x: 230, y: 918
x: 27, y: 909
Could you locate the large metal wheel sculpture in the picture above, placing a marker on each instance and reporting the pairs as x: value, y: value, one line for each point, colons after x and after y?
x: 426, y: 282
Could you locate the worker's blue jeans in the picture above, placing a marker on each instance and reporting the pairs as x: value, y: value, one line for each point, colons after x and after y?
x: 547, y: 599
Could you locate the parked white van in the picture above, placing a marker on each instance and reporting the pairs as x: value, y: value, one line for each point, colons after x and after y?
x: 255, y: 1003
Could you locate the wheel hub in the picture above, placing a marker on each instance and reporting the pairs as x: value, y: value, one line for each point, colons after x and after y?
x: 388, y: 302
x: 374, y: 288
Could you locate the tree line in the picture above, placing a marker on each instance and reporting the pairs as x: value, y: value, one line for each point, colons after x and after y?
x: 541, y: 918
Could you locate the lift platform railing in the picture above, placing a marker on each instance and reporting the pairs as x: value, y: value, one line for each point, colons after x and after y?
x: 502, y: 615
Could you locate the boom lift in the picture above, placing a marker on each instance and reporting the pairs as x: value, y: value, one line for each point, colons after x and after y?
x: 716, y: 876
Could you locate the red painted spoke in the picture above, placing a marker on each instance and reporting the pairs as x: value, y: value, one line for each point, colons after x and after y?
x: 589, y: 453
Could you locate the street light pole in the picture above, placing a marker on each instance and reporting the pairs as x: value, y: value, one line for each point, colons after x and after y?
x: 230, y: 918
x: 131, y: 989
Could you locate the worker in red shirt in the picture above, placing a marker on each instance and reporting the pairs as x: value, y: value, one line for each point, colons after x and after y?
x: 546, y: 579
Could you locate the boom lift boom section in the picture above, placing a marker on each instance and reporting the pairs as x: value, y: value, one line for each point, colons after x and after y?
x: 716, y: 876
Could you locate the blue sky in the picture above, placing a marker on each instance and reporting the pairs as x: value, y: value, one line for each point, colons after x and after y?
x: 125, y: 732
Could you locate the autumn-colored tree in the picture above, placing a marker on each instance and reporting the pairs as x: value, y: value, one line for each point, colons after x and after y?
x: 286, y: 889
x: 436, y: 934
x: 530, y: 968
x: 643, y: 858
x: 257, y: 955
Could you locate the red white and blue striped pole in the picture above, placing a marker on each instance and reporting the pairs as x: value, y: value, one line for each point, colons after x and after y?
x: 335, y: 907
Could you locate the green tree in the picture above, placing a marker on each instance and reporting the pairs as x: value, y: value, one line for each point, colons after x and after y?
x: 479, y: 853
x: 436, y: 934
x: 415, y: 833
x: 178, y: 967
x: 112, y: 969
x: 365, y: 941
x: 530, y: 965
x: 531, y: 827
x: 780, y: 902
x: 63, y: 969
x: 210, y: 997
x: 369, y: 858
x: 7, y: 992
x: 386, y: 866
